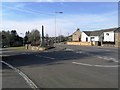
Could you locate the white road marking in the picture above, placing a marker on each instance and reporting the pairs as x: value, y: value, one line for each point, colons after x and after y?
x: 45, y: 57
x: 79, y: 52
x: 101, y: 57
x: 69, y: 49
x: 45, y: 51
x: 84, y: 64
x: 7, y: 51
x: 113, y: 59
x: 106, y: 65
x: 106, y: 58
x: 3, y: 55
x: 107, y: 50
x: 26, y: 53
x: 28, y: 80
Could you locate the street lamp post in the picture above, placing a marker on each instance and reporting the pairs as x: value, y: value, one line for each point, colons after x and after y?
x: 55, y: 24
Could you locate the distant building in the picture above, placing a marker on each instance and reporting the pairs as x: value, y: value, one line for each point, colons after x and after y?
x: 70, y: 38
x: 76, y: 36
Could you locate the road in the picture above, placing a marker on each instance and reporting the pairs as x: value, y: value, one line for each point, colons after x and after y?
x: 64, y: 67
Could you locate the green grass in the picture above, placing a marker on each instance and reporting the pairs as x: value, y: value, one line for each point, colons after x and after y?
x: 17, y: 48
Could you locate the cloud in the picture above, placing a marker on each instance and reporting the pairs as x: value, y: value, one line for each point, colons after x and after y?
x: 20, y: 5
x: 65, y: 24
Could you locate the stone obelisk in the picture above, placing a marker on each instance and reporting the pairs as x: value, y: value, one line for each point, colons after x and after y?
x: 42, y: 42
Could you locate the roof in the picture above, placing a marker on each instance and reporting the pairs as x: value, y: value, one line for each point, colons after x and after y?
x: 109, y: 30
x: 87, y: 32
x: 70, y: 36
x: 78, y: 30
x: 117, y: 30
x: 98, y: 32
x: 93, y: 33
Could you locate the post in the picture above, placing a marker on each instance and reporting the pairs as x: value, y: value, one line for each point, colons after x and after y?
x: 55, y: 25
x: 55, y: 30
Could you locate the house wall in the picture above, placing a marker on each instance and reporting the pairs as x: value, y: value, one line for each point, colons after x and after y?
x: 76, y: 36
x: 110, y: 37
x: 96, y: 38
x: 101, y: 37
x: 84, y: 36
x: 117, y: 39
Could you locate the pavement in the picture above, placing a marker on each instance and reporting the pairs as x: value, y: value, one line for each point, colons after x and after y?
x: 64, y: 67
x: 11, y: 79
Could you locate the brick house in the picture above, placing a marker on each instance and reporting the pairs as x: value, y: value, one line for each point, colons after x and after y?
x: 117, y: 37
x: 76, y: 36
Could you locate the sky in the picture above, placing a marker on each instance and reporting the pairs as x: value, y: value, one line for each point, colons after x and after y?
x: 24, y: 16
x: 60, y: 0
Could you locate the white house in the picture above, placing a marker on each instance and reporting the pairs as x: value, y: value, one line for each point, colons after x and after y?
x: 85, y: 36
x: 94, y: 38
x: 91, y: 36
x: 105, y: 36
x: 109, y: 36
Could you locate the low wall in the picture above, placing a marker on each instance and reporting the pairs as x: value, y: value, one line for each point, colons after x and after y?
x: 73, y: 43
x: 79, y: 43
x: 36, y: 48
x: 92, y: 44
x: 117, y: 44
x: 108, y: 45
x: 86, y: 43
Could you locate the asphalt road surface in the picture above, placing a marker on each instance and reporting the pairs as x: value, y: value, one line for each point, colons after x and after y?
x: 63, y: 67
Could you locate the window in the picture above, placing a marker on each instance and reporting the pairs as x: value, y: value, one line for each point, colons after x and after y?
x: 92, y: 38
x: 79, y: 39
x: 107, y: 34
x: 102, y: 38
x: 86, y: 39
